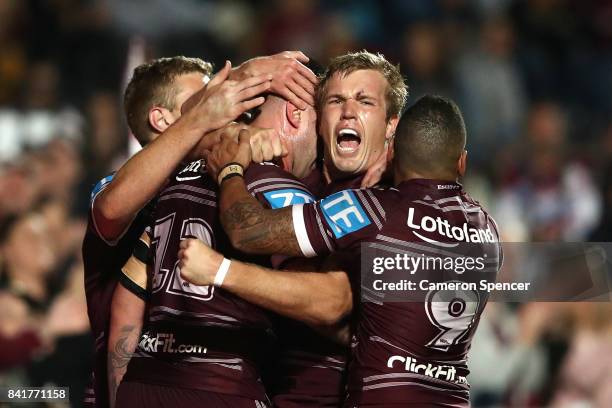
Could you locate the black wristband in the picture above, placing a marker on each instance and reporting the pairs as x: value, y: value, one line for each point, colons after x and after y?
x: 229, y: 176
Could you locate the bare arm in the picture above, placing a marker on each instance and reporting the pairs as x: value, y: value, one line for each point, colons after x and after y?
x: 252, y: 228
x: 317, y: 299
x: 139, y: 180
x: 127, y: 312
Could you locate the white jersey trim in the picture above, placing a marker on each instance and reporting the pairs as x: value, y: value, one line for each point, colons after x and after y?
x: 299, y: 226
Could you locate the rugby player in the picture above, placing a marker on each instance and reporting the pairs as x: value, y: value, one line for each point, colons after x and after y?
x: 153, y: 102
x: 310, y: 370
x: 359, y: 99
x: 404, y: 353
x: 202, y: 346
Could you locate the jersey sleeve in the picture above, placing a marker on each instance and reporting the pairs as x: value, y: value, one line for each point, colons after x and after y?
x: 275, y: 188
x: 338, y: 221
x: 98, y: 188
x: 133, y: 275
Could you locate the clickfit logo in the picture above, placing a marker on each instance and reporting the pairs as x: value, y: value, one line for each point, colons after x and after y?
x: 441, y: 226
x: 440, y: 372
x: 165, y: 343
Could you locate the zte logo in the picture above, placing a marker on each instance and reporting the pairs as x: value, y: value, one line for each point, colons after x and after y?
x: 344, y: 213
x: 287, y: 197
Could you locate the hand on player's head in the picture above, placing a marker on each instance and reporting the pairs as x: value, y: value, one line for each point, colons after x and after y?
x: 375, y: 172
x: 291, y: 79
x: 198, y: 262
x: 229, y: 151
x: 223, y: 100
x: 266, y: 145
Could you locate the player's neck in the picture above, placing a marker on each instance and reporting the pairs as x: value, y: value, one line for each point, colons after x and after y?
x: 401, y: 176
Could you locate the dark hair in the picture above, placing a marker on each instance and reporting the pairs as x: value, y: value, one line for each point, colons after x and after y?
x: 397, y: 90
x: 430, y: 136
x: 152, y: 85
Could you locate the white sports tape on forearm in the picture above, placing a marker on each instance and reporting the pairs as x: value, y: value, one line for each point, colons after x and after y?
x: 222, y: 272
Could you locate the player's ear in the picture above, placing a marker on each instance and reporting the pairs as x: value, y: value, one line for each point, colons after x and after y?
x: 294, y: 115
x: 160, y: 118
x: 391, y: 151
x: 462, y: 163
x: 390, y: 130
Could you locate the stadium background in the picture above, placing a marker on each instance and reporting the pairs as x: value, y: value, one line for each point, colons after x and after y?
x: 534, y: 79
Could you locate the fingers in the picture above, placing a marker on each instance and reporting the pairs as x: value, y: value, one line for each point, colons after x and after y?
x: 254, y: 81
x: 307, y: 73
x: 244, y: 148
x: 221, y: 75
x: 243, y: 137
x: 277, y: 146
x: 267, y: 151
x: 248, y: 93
x: 289, y: 95
x: 250, y: 104
x: 305, y: 83
x: 300, y: 93
x: 298, y: 55
x: 256, y: 153
x: 374, y: 173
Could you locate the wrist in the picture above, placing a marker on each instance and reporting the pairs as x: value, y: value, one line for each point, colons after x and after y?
x: 194, y: 124
x: 229, y: 171
x: 222, y: 272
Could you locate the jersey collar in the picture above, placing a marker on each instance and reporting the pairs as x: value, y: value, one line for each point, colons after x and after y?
x: 444, y: 187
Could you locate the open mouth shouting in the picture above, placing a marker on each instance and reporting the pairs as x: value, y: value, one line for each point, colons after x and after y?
x: 347, y: 142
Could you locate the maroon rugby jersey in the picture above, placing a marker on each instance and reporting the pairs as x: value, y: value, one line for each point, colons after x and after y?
x: 404, y: 352
x: 203, y: 337
x: 198, y: 337
x: 103, y: 261
x: 310, y: 368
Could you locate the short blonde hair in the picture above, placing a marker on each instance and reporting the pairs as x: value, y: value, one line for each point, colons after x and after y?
x: 397, y: 90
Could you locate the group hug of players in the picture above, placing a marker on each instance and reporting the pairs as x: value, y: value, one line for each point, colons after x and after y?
x: 223, y: 260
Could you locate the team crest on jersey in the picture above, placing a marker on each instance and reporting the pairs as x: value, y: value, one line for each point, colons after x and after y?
x: 344, y: 213
x: 286, y: 197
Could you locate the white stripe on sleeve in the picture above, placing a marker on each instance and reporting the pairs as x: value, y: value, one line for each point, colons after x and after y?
x: 301, y: 234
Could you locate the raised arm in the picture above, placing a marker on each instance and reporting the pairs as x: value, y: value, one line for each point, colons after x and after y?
x: 317, y: 299
x: 145, y: 173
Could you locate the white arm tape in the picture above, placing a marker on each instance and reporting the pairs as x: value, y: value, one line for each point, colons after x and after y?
x: 222, y: 272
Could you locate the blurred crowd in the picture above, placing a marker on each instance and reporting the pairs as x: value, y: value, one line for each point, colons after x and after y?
x: 533, y: 78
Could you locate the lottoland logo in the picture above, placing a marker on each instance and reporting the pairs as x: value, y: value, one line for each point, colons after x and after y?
x: 443, y: 227
x: 164, y: 343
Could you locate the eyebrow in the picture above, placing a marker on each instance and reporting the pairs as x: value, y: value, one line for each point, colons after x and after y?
x: 364, y: 95
x: 336, y: 95
x: 360, y: 95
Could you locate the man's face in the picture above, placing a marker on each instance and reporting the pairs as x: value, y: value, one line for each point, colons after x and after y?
x: 187, y: 85
x: 353, y: 120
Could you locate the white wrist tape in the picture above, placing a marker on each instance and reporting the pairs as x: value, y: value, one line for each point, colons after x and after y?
x: 222, y: 272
